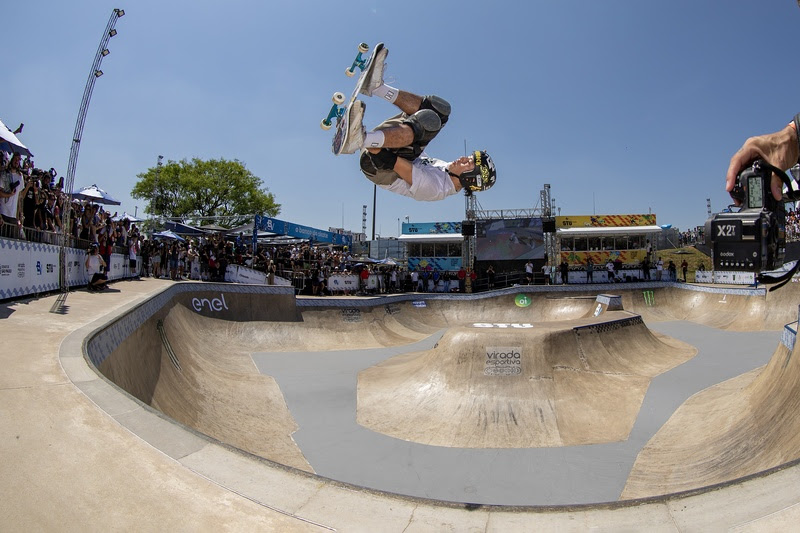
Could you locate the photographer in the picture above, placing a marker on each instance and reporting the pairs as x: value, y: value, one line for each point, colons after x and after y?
x: 780, y: 149
x: 95, y: 266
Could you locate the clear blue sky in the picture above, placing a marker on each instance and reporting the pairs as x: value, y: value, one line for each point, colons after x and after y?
x: 623, y: 106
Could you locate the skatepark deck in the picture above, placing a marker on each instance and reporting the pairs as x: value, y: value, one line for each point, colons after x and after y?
x: 248, y: 385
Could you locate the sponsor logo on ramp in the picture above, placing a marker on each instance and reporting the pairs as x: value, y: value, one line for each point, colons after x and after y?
x: 503, y: 361
x: 351, y: 315
x: 212, y: 304
x: 523, y: 300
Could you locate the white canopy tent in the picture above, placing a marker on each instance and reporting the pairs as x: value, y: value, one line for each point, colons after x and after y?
x: 8, y: 138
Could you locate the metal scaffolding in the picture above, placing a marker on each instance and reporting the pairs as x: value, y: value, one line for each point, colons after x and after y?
x: 69, y: 184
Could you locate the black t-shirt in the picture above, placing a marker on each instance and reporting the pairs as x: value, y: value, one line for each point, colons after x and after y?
x: 29, y: 207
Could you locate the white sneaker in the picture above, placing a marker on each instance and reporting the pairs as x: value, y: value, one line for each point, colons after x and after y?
x: 374, y: 74
x: 355, y: 129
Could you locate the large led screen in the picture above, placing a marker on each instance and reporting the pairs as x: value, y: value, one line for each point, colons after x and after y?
x: 508, y: 239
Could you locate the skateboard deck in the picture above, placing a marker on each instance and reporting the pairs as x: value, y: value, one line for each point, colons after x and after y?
x: 343, y: 109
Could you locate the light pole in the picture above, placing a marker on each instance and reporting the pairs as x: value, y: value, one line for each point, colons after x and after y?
x: 94, y: 73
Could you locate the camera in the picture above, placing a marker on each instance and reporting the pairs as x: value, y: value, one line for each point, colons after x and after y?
x: 754, y: 238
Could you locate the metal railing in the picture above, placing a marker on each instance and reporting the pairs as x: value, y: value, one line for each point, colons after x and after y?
x: 10, y: 231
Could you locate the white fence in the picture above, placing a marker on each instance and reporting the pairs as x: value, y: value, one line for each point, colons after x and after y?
x: 31, y: 268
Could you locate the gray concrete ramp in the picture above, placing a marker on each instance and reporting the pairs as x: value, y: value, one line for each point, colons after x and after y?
x: 523, y: 386
x: 740, y: 427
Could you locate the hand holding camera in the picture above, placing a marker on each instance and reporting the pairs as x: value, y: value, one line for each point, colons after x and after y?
x: 781, y: 149
x: 754, y: 238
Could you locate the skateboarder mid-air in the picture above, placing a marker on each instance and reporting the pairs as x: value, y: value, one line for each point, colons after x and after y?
x: 393, y: 156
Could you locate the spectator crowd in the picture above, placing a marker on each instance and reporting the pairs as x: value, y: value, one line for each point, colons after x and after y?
x: 33, y: 204
x: 793, y: 226
x: 307, y: 266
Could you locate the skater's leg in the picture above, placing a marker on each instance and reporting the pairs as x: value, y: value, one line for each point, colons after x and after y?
x: 409, y: 103
x: 398, y: 136
x: 421, y: 121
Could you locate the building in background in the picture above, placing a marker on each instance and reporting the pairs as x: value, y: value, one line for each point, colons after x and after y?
x: 433, y: 245
x: 601, y: 238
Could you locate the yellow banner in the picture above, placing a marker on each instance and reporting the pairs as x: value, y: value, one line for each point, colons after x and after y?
x: 600, y: 258
x: 605, y: 221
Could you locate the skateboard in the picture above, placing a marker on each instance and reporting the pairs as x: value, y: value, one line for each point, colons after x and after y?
x: 341, y: 108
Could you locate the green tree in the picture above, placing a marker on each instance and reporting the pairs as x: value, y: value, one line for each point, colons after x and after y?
x: 199, y: 189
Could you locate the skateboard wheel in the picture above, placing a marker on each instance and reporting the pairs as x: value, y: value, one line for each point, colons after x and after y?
x: 325, y: 125
x: 338, y: 98
x: 349, y: 72
x: 363, y: 47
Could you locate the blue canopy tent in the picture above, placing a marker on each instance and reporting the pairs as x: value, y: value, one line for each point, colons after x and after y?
x: 183, y: 229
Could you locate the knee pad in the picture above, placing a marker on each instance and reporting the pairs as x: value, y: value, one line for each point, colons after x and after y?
x: 426, y: 124
x: 367, y: 166
x: 439, y: 105
x: 374, y: 174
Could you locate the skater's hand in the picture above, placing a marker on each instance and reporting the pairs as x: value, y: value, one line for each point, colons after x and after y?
x: 779, y: 149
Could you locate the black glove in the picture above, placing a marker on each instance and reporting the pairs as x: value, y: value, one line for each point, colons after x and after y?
x: 383, y: 160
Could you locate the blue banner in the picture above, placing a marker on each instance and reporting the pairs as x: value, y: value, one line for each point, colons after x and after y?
x: 280, y: 227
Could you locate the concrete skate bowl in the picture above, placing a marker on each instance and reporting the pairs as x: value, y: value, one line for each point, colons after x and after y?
x: 409, y: 394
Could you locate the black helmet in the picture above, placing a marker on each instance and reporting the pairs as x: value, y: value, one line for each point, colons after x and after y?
x: 483, y: 176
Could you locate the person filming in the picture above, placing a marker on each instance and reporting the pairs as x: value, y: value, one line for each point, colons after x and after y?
x: 95, y: 267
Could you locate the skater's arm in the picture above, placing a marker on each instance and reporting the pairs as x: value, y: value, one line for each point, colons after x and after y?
x: 388, y: 160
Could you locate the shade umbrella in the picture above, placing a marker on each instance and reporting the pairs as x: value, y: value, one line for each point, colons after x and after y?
x: 125, y: 215
x: 95, y: 194
x: 9, y: 140
x: 168, y: 235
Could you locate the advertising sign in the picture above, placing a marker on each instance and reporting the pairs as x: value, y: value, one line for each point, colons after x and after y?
x: 431, y: 228
x: 343, y: 282
x: 442, y: 264
x: 280, y: 227
x: 605, y: 221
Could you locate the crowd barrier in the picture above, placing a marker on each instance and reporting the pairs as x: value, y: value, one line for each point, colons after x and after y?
x: 32, y: 268
x: 246, y: 275
x: 344, y: 282
x: 353, y: 283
